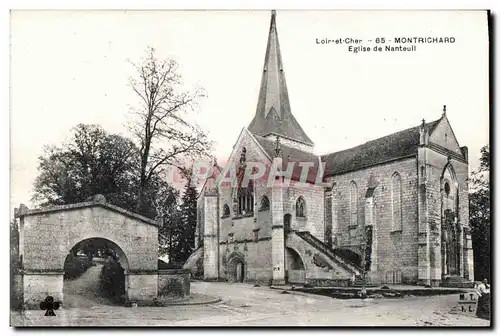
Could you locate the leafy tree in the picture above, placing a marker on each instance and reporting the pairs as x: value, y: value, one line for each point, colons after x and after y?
x: 479, y: 217
x: 177, y: 236
x: 92, y: 162
x: 161, y: 123
x: 14, y: 247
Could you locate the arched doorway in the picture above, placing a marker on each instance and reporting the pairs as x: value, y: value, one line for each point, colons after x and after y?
x: 240, y: 272
x: 296, y: 272
x: 95, y: 274
x: 287, y: 223
x: 236, y: 267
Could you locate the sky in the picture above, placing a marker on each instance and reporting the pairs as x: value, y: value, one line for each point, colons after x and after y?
x: 71, y: 67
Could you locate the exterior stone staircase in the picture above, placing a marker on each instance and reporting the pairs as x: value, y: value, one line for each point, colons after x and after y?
x: 334, y: 261
x: 456, y: 281
x: 192, y: 263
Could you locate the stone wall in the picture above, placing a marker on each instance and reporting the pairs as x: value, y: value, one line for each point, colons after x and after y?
x: 256, y: 258
x: 395, y: 251
x: 436, y: 163
x: 48, y: 237
x: 314, y: 222
x: 38, y: 285
x: 16, y: 294
x: 174, y: 283
x: 210, y: 240
x: 141, y: 287
x: 249, y: 235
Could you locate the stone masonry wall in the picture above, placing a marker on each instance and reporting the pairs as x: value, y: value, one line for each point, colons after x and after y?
x: 48, y: 237
x: 314, y: 197
x: 436, y: 163
x: 257, y: 259
x: 174, y: 283
x: 396, y: 251
x: 249, y: 235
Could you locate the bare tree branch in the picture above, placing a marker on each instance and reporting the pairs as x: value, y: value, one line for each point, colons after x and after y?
x: 163, y: 130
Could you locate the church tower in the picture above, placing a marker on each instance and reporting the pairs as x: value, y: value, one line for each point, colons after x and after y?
x: 273, y: 117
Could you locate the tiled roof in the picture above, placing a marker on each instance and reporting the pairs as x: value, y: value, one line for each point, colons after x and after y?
x: 397, y: 145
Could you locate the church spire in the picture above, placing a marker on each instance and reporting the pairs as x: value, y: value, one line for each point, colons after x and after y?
x: 273, y: 115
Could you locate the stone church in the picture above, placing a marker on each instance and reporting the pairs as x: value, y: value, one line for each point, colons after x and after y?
x: 394, y: 210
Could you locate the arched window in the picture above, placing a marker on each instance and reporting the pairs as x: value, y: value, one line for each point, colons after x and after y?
x: 353, y: 204
x: 300, y: 207
x: 264, y: 203
x: 245, y: 199
x: 226, y: 211
x: 396, y: 202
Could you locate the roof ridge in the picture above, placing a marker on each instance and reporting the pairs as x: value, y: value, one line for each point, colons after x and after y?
x: 431, y: 123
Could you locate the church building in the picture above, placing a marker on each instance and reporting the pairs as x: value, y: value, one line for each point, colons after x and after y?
x: 394, y: 210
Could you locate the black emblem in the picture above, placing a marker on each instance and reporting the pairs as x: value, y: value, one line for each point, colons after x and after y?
x: 49, y: 305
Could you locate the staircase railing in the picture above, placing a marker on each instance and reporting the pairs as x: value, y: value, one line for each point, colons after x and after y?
x: 308, y: 237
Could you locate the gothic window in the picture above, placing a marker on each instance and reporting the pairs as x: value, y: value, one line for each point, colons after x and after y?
x: 396, y: 202
x: 226, y: 211
x: 353, y: 204
x: 264, y: 203
x: 300, y: 207
x: 246, y: 199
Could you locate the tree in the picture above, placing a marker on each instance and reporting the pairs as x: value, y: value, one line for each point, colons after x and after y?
x: 177, y: 236
x: 15, y: 265
x: 92, y: 162
x: 188, y: 210
x: 479, y: 215
x: 162, y: 127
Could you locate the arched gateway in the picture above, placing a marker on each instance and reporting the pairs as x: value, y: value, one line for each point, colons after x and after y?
x: 48, y: 235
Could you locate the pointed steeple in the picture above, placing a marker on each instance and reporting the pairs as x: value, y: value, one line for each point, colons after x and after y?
x: 273, y: 115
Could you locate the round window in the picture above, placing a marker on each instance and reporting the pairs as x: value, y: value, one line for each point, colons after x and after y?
x: 447, y: 188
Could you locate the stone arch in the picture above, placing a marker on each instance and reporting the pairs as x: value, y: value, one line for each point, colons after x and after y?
x: 121, y: 248
x: 264, y: 203
x: 296, y: 260
x: 47, y: 236
x: 226, y: 211
x: 121, y: 256
x: 295, y: 266
x: 114, y: 263
x: 448, y: 175
x: 235, y: 264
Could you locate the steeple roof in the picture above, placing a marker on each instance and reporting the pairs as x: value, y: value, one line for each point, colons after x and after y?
x: 273, y: 115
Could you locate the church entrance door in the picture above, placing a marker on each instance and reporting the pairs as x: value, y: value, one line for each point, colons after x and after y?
x: 451, y: 246
x: 240, y: 272
x: 287, y: 219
